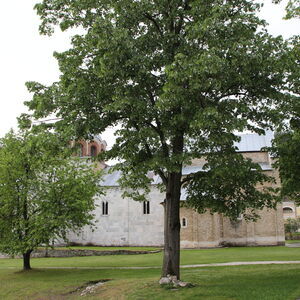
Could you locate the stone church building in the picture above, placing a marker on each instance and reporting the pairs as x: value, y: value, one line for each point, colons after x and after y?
x: 125, y: 222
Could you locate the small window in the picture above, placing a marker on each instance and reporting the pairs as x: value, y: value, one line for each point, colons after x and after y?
x: 104, y: 208
x: 146, y: 207
x: 183, y: 222
x: 287, y: 210
x: 93, y: 151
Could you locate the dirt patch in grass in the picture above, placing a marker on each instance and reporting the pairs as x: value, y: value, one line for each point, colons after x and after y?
x: 120, y: 289
x: 87, y: 288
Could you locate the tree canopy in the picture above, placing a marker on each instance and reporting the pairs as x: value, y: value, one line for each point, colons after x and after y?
x: 44, y: 193
x: 292, y: 8
x: 180, y: 78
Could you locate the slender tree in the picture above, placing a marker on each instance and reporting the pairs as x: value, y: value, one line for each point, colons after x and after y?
x: 179, y: 77
x: 43, y: 193
x: 286, y: 149
x: 286, y: 145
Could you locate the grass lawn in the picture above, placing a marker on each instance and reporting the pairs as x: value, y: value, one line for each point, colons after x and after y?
x: 238, y: 282
x: 188, y: 257
x: 292, y: 241
x: 243, y: 282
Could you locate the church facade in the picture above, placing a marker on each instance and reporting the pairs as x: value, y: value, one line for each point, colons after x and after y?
x: 125, y: 222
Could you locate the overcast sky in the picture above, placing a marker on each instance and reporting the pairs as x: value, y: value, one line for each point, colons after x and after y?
x: 27, y: 56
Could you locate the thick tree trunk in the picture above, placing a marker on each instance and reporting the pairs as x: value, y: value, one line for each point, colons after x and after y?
x: 172, y: 227
x: 26, y: 260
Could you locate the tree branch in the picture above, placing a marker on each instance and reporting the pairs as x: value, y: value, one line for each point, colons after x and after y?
x: 158, y: 129
x: 190, y: 177
x: 186, y: 7
x: 232, y: 94
x: 150, y: 155
x: 151, y: 18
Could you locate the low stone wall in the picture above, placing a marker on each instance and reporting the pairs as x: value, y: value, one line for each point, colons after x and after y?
x: 40, y: 253
x: 73, y: 252
x: 4, y: 256
x: 295, y: 237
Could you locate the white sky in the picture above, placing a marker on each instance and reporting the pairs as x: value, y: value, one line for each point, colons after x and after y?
x: 27, y: 56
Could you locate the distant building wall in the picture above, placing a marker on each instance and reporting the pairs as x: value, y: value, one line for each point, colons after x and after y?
x: 211, y: 230
x: 127, y: 225
x: 123, y: 222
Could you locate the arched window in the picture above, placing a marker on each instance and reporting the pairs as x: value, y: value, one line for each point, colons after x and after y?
x: 287, y: 210
x: 146, y: 207
x: 104, y: 208
x: 93, y: 151
x: 183, y: 222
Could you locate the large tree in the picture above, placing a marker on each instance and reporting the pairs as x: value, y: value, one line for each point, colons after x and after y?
x: 179, y: 77
x: 43, y: 192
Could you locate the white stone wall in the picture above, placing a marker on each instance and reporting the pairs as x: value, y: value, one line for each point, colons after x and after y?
x: 125, y: 223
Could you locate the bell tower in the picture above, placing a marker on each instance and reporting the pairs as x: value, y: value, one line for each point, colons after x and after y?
x: 91, y: 148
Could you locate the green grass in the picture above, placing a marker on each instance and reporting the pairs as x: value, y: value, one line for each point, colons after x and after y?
x: 292, y: 241
x: 238, y: 282
x: 243, y: 282
x: 188, y: 257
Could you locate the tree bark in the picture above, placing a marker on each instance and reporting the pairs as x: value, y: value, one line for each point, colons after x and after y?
x: 171, y: 259
x: 26, y: 260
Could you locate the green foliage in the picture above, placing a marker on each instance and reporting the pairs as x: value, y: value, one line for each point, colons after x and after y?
x: 292, y: 225
x: 229, y: 187
x: 179, y: 78
x: 287, y: 151
x: 292, y: 8
x: 286, y: 146
x: 43, y: 192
